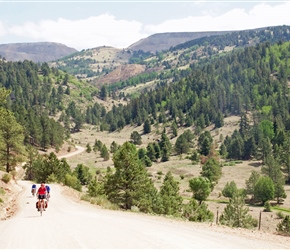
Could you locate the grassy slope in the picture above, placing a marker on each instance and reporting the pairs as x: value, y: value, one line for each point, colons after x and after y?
x: 179, y: 167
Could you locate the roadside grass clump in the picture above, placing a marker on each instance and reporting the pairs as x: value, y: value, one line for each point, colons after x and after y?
x: 135, y: 209
x: 232, y: 163
x: 2, y: 192
x: 6, y: 177
x: 280, y: 215
x: 282, y: 209
x: 101, y: 201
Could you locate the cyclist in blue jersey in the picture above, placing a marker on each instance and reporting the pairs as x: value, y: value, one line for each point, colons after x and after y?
x: 33, y: 189
x: 48, y: 192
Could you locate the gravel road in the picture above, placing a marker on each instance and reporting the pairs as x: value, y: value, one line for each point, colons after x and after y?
x: 75, y: 225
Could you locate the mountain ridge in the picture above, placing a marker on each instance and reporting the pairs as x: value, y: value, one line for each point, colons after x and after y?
x: 36, y: 52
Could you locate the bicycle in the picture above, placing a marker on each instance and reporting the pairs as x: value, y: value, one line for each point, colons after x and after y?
x: 47, y: 197
x: 42, y: 206
x: 33, y: 191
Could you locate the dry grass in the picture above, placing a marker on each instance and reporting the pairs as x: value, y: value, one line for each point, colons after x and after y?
x: 182, y: 169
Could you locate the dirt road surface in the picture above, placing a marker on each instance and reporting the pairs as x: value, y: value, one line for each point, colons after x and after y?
x: 75, y: 225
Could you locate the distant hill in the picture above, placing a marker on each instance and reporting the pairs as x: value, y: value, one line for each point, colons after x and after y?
x: 164, y: 41
x: 36, y: 52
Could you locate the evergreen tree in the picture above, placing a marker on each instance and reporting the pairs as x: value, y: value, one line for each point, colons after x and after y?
x: 151, y: 152
x: 147, y: 127
x: 204, y: 143
x: 174, y: 128
x: 273, y: 170
x: 12, y: 149
x: 129, y: 185
x: 251, y: 182
x: 83, y: 174
x: 105, y: 153
x: 264, y: 189
x: 169, y: 193
x: 136, y: 138
x: 201, y: 188
x: 236, y: 215
x: 230, y: 189
x: 181, y: 145
x: 165, y: 147
x: 212, y: 170
x: 197, y: 212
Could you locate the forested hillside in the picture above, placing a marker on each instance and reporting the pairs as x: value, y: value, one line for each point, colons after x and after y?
x: 43, y: 101
x: 100, y: 65
x: 46, y: 104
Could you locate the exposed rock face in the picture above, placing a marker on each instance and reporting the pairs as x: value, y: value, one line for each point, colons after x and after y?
x: 36, y: 52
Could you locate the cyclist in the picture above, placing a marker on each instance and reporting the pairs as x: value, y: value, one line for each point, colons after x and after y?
x: 33, y: 189
x: 48, y: 192
x: 41, y: 194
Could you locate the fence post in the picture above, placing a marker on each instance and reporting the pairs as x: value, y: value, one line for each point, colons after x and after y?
x: 260, y: 218
x: 217, y: 216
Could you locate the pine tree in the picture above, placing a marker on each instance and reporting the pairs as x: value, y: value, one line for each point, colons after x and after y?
x: 11, y: 140
x: 201, y: 188
x: 181, y: 145
x: 147, y: 126
x: 129, y: 185
x: 236, y: 214
x: 165, y: 147
x: 171, y: 199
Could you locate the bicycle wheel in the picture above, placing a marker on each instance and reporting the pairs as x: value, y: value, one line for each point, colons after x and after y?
x: 41, y: 207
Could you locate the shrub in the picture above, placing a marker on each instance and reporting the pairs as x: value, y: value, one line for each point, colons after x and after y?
x: 267, y: 206
x: 73, y: 182
x: 51, y: 178
x: 230, y: 189
x: 135, y: 209
x: 236, y: 215
x: 284, y: 225
x: 195, y: 212
x: 280, y: 215
x: 6, y: 177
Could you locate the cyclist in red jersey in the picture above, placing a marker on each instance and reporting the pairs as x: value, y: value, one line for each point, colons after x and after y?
x: 41, y: 193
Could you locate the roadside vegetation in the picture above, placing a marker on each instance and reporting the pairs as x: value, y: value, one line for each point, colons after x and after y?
x: 42, y: 107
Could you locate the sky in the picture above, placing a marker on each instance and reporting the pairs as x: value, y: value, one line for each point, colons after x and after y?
x: 89, y: 24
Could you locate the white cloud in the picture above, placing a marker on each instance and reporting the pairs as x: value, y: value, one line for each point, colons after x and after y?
x: 3, y: 31
x: 262, y: 15
x: 107, y: 30
x: 86, y: 33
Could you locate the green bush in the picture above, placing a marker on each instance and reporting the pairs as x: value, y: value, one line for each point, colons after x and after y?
x: 6, y: 177
x: 195, y: 212
x: 236, y: 214
x: 267, y: 206
x: 73, y: 182
x: 51, y: 178
x: 284, y: 225
x: 280, y: 215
